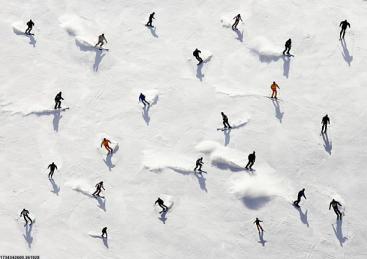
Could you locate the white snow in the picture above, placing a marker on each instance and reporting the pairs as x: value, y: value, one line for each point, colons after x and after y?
x: 212, y: 213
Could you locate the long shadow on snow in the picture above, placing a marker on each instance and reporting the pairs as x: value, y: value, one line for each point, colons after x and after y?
x: 101, y: 203
x: 339, y: 232
x: 104, y: 239
x: 108, y: 160
x: 56, y: 113
x: 99, y: 55
x: 302, y: 216
x: 227, y: 132
x: 146, y: 108
x: 32, y: 40
x: 201, y: 180
x: 153, y: 31
x: 199, y: 73
x: 255, y: 203
x: 278, y: 113
x: 268, y: 58
x: 28, y: 234
x: 286, y: 65
x: 262, y: 241
x: 346, y: 55
x: 239, y: 35
x: 55, y: 187
x: 328, y: 146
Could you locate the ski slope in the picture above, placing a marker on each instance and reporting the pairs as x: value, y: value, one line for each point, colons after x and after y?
x: 212, y: 215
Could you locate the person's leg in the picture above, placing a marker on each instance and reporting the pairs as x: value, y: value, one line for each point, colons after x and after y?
x: 248, y: 163
x: 199, y: 168
x: 29, y: 219
x: 251, y: 164
x: 275, y: 94
x: 262, y: 230
x: 26, y: 221
x: 195, y: 167
x: 343, y: 34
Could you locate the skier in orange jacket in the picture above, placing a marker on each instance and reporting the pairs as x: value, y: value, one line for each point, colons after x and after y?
x: 274, y: 87
x: 105, y: 143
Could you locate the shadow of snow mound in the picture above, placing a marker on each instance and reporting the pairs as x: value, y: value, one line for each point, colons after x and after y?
x: 255, y: 203
x: 265, y: 50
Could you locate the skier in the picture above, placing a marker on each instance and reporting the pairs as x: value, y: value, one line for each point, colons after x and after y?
x: 301, y: 194
x: 161, y: 204
x: 325, y: 121
x: 199, y: 164
x: 288, y: 46
x: 58, y: 99
x: 142, y: 99
x: 196, y: 55
x: 101, y: 40
x: 225, y: 121
x: 105, y: 143
x: 274, y: 87
x: 344, y: 24
x: 237, y: 19
x: 151, y: 17
x: 99, y: 187
x: 25, y: 213
x: 104, y: 232
x: 259, y: 227
x: 30, y: 25
x: 335, y: 204
x: 251, y: 160
x: 52, y: 168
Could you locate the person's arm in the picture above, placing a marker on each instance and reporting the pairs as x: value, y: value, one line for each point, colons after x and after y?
x: 155, y: 202
x: 329, y: 205
x: 340, y: 24
x: 348, y: 24
x: 56, y: 167
x: 304, y: 196
x: 101, y: 143
x: 105, y: 39
x: 109, y: 141
x: 338, y: 203
x: 49, y: 166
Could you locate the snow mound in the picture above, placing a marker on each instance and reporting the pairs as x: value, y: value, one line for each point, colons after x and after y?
x: 256, y: 191
x: 223, y: 157
x: 264, y: 49
x: 72, y: 24
x: 19, y: 27
x: 159, y: 161
x: 81, y: 186
x: 226, y: 21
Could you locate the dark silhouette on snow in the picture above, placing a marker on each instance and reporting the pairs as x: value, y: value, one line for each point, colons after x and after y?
x: 237, y: 19
x: 301, y: 194
x: 58, y: 99
x: 52, y: 168
x: 196, y: 55
x: 30, y: 25
x: 161, y: 204
x: 99, y: 186
x: 344, y: 25
x: 258, y: 226
x: 105, y: 143
x: 26, y: 217
x: 251, y: 161
x: 101, y: 40
x: 104, y: 232
x: 151, y: 17
x: 225, y: 121
x: 273, y: 88
x: 325, y: 121
x: 142, y: 100
x: 199, y: 164
x: 288, y: 46
x: 335, y: 205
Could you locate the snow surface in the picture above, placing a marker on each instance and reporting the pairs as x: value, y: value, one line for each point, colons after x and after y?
x: 212, y: 214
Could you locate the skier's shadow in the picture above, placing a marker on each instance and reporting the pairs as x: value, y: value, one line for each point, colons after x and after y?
x: 32, y: 40
x: 108, y: 160
x: 153, y: 31
x: 346, y: 55
x: 227, y: 136
x: 28, y: 234
x: 101, y: 203
x: 262, y: 241
x: 104, y: 239
x: 163, y: 217
x: 199, y: 72
x: 286, y: 65
x: 202, y: 180
x: 56, y: 113
x: 98, y: 59
x: 239, y: 35
x: 145, y: 114
x: 339, y: 232
x: 327, y: 144
x: 56, y: 188
x: 302, y: 216
x: 278, y: 113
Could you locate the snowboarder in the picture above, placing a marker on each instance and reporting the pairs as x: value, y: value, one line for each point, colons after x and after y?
x: 251, y: 160
x: 151, y: 17
x: 25, y: 213
x: 274, y: 87
x: 237, y: 19
x: 199, y: 164
x: 104, y: 232
x: 58, y: 99
x: 196, y: 55
x: 301, y: 194
x: 325, y: 121
x: 344, y: 24
x: 99, y: 187
x: 142, y: 99
x: 30, y: 25
x: 161, y: 204
x: 225, y: 121
x: 288, y: 46
x: 52, y: 168
x: 335, y: 205
x: 105, y: 143
x: 101, y: 40
x: 259, y: 227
